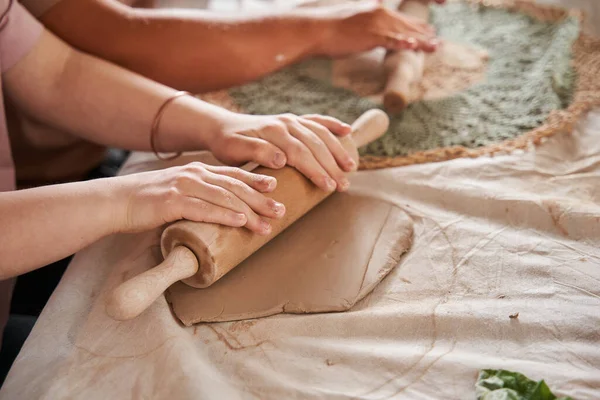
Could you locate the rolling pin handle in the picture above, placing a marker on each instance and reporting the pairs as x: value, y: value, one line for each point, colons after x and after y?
x: 134, y: 296
x: 369, y: 126
x: 404, y: 68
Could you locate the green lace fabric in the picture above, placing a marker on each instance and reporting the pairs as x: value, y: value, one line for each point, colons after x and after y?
x: 529, y: 74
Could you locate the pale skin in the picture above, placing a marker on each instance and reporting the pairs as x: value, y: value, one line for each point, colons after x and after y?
x: 109, y: 105
x: 200, y: 51
x: 58, y: 86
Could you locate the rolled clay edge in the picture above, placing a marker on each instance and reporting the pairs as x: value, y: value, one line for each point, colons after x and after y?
x: 397, y: 221
x: 178, y: 235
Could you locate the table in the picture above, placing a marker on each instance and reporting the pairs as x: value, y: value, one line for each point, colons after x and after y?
x: 493, y: 237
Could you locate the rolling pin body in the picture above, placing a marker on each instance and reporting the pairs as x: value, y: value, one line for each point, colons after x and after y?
x: 201, y: 253
x: 404, y: 68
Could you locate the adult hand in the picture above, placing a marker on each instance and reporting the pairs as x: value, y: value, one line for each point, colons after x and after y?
x: 307, y: 143
x: 358, y: 27
x: 196, y: 192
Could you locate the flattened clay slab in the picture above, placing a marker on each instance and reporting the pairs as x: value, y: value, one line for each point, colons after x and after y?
x: 327, y: 261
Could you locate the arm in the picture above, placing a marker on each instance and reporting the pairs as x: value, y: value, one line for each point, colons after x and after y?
x: 107, y: 104
x: 192, y: 50
x: 104, y: 103
x: 200, y: 51
x: 39, y: 226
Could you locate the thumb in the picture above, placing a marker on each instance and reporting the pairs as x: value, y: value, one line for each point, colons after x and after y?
x: 246, y: 148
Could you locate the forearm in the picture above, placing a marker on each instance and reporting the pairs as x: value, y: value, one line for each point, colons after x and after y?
x: 42, y: 225
x: 190, y: 50
x: 104, y: 103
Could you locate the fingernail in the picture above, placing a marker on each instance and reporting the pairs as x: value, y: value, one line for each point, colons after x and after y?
x: 279, y: 160
x: 344, y: 185
x: 350, y: 164
x: 278, y: 208
x: 330, y: 183
x: 240, y: 219
x: 347, y: 127
x: 265, y: 227
x: 270, y: 183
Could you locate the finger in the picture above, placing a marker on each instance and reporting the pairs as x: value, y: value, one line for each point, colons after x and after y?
x: 258, y: 202
x: 222, y: 197
x: 299, y: 156
x: 260, y: 151
x: 416, y: 26
x: 334, y: 125
x: 321, y: 153
x: 198, y: 210
x: 403, y: 24
x: 408, y: 24
x: 198, y: 186
x: 422, y: 26
x: 427, y: 45
x: 413, y: 43
x: 261, y: 183
x: 338, y: 151
x: 400, y: 43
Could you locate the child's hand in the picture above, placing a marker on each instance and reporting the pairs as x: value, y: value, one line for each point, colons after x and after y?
x: 362, y: 26
x: 197, y: 192
x: 306, y: 143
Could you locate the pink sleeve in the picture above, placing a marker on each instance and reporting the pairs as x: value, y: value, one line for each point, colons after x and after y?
x: 19, y: 33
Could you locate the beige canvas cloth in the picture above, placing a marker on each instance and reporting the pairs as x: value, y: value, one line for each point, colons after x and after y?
x: 493, y: 237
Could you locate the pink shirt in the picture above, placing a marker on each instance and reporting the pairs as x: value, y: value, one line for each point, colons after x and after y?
x: 19, y: 32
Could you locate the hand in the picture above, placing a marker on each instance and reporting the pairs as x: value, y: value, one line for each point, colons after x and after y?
x: 306, y: 143
x: 361, y: 27
x: 196, y: 192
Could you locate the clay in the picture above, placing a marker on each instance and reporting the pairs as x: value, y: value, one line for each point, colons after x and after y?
x: 219, y: 248
x: 327, y: 261
x: 206, y: 252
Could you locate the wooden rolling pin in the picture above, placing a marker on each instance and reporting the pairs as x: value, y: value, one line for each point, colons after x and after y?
x: 404, y: 68
x: 201, y: 253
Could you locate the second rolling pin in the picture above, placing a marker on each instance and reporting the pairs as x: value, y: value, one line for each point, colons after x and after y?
x: 404, y: 68
x: 201, y: 253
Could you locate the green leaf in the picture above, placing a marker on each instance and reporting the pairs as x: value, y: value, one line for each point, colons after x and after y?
x: 507, y: 385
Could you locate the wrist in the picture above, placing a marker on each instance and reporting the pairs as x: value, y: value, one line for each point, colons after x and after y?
x: 190, y: 124
x: 114, y: 194
x: 217, y: 120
